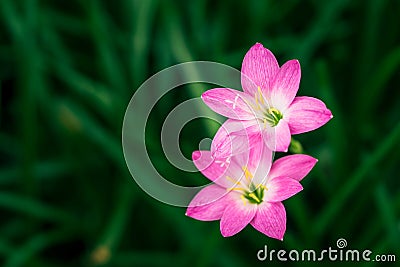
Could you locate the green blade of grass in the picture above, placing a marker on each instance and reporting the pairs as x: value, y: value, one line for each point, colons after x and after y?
x: 43, y: 170
x: 21, y: 255
x: 144, y: 258
x: 32, y: 207
x: 140, y: 36
x: 374, y: 86
x: 339, y: 199
x: 319, y: 30
x: 182, y: 54
x: 337, y: 133
x: 93, y: 131
x: 28, y: 59
x: 103, y: 41
x: 387, y: 214
x: 369, y: 42
x: 115, y: 227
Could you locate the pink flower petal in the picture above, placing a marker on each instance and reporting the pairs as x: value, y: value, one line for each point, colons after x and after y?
x: 270, y: 219
x: 306, y: 114
x: 269, y: 137
x: 235, y: 137
x: 283, y: 136
x: 223, y: 136
x: 230, y: 103
x: 259, y: 68
x: 236, y: 216
x: 293, y: 166
x: 281, y: 188
x: 227, y: 170
x: 209, y: 204
x: 286, y: 85
x: 205, y: 163
x: 257, y: 161
x: 278, y: 138
x: 216, y: 169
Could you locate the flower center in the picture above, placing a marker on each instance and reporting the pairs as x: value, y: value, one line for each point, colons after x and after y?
x: 250, y: 192
x: 272, y: 116
x: 255, y: 195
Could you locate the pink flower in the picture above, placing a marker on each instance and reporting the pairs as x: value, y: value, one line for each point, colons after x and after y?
x: 247, y: 189
x: 269, y: 106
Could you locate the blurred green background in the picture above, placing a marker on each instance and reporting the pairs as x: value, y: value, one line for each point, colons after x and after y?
x: 69, y: 68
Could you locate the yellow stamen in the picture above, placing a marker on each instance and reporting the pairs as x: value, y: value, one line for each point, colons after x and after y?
x: 256, y: 99
x: 251, y: 105
x: 238, y: 182
x: 244, y: 199
x: 253, y: 196
x: 263, y: 187
x: 265, y: 122
x: 261, y: 95
x: 273, y: 110
x: 236, y: 188
x: 231, y: 179
x: 247, y: 173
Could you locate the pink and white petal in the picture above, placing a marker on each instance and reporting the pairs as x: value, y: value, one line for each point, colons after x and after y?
x: 270, y: 219
x: 209, y: 204
x: 258, y: 161
x: 230, y: 103
x: 217, y: 169
x: 242, y: 144
x: 251, y: 129
x: 235, y: 137
x: 286, y: 85
x: 223, y: 138
x: 306, y: 114
x: 236, y: 216
x: 293, y: 166
x: 281, y: 188
x: 259, y: 68
x: 269, y: 137
x: 251, y: 156
x: 260, y: 172
x: 226, y: 129
x: 283, y: 136
x: 278, y: 138
x: 205, y: 163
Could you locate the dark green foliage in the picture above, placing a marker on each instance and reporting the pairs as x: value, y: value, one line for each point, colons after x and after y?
x: 69, y: 68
